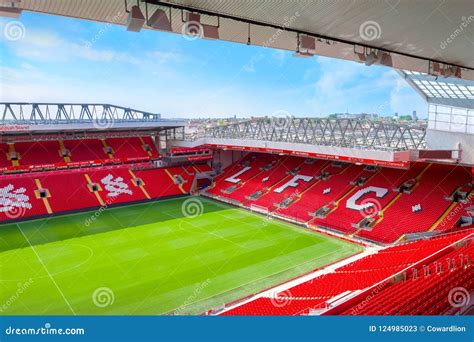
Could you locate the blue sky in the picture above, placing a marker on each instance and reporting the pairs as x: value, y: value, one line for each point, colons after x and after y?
x: 69, y: 60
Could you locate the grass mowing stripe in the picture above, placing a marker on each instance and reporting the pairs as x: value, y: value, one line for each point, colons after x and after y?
x: 46, y: 270
x: 157, y: 260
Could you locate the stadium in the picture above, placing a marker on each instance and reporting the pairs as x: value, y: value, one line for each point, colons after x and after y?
x: 110, y: 210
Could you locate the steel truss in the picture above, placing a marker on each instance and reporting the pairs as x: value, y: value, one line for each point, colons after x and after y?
x: 54, y: 113
x: 359, y: 133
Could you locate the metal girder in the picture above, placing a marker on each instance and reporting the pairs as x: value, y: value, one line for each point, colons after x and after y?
x: 359, y: 133
x: 51, y: 113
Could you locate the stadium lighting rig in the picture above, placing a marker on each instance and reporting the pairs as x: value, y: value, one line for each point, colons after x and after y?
x: 136, y: 19
x: 160, y: 20
x: 307, y: 44
x: 11, y: 11
x: 194, y: 25
x: 371, y: 57
x: 444, y: 70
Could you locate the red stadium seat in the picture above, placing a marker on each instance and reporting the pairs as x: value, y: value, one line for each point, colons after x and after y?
x: 75, y: 189
x: 338, y: 195
x: 367, y: 272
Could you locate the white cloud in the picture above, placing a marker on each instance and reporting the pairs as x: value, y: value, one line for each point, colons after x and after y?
x: 356, y: 88
x: 183, y: 98
x: 48, y: 46
x: 162, y: 85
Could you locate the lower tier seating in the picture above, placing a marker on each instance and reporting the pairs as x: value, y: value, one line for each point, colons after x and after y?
x: 42, y: 193
x: 374, y: 203
x: 435, y: 288
x: 358, y: 275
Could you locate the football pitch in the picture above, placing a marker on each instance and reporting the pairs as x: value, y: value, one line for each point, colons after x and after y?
x: 178, y: 256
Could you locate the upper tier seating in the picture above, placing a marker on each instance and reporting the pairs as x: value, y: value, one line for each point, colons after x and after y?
x: 4, y: 155
x: 358, y: 275
x: 41, y: 152
x: 128, y: 148
x: 86, y: 150
x: 69, y: 152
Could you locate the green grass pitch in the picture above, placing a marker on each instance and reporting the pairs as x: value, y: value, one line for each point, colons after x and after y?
x: 179, y: 256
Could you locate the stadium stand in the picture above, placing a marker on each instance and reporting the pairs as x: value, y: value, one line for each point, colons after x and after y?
x: 42, y: 152
x: 128, y: 148
x: 369, y: 271
x: 4, y: 161
x: 374, y: 203
x: 424, y: 289
x: 430, y: 194
x: 22, y: 156
x: 41, y: 193
x: 17, y: 198
x: 86, y: 150
x: 246, y: 169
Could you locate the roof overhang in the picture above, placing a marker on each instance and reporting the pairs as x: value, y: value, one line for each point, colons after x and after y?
x: 397, y: 159
x: 43, y: 119
x: 448, y: 91
x: 422, y: 36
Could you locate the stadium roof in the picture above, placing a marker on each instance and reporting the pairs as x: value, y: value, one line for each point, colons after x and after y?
x: 433, y: 37
x: 30, y: 118
x: 355, y: 133
x: 447, y: 91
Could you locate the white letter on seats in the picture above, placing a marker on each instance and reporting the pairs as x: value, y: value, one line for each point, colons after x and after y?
x: 351, y: 202
x: 233, y: 178
x: 293, y: 183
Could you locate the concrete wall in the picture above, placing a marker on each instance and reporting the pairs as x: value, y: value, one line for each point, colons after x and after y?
x: 440, y: 140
